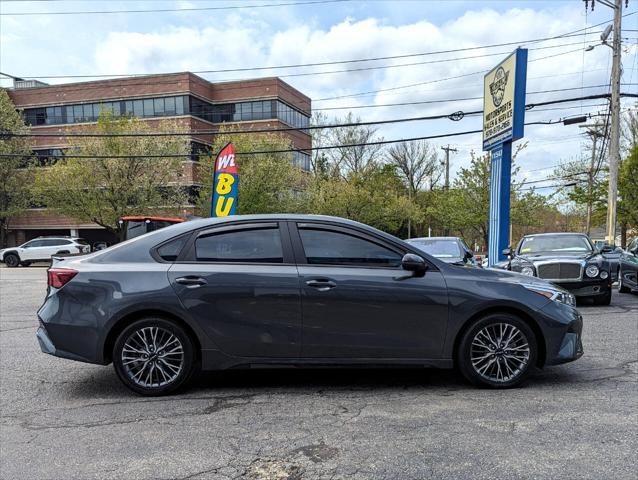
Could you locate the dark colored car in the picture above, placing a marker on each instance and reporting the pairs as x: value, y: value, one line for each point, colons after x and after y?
x: 612, y: 255
x: 447, y: 249
x: 569, y: 260
x: 628, y: 268
x: 297, y: 290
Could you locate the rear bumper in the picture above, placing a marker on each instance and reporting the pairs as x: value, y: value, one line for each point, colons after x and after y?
x: 47, y: 346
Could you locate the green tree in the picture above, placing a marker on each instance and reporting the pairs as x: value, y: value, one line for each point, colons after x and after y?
x: 104, y: 188
x: 376, y: 197
x: 15, y: 155
x: 268, y: 183
x: 628, y: 193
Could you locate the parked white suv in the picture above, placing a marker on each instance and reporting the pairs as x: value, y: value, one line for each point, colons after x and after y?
x: 41, y: 249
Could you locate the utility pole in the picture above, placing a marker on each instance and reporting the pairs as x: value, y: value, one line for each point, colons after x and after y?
x: 594, y: 132
x: 447, y: 150
x: 614, y: 138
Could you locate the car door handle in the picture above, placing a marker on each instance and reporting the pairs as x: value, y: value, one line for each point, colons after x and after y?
x: 191, y: 281
x: 321, y: 285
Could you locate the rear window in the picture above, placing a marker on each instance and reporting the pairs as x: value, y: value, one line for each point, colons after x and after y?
x: 171, y: 250
x: 81, y: 241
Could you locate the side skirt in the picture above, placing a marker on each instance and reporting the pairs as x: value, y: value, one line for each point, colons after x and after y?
x: 215, y: 360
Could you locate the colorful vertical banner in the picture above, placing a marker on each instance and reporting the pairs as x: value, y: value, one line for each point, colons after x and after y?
x: 225, y: 183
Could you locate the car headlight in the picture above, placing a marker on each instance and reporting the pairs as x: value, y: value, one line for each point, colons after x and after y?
x: 553, y: 294
x: 592, y: 271
x: 529, y: 271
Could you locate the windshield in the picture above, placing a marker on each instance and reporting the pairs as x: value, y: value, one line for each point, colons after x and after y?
x: 439, y: 248
x: 558, y: 243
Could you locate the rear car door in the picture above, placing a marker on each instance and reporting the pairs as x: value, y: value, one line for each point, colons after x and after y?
x: 357, y: 301
x: 240, y: 283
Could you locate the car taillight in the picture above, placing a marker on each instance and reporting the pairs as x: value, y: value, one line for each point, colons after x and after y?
x: 58, y: 277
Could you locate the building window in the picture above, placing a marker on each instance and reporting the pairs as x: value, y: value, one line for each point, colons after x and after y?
x: 169, y: 106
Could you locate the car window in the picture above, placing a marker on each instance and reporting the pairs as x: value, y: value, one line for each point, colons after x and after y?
x: 81, y: 241
x: 335, y: 248
x: 633, y: 244
x: 558, y: 243
x: 171, y: 250
x: 34, y: 243
x: 53, y: 242
x: 440, y: 248
x: 262, y: 245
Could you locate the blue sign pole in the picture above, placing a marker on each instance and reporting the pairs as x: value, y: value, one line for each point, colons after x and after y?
x: 503, y: 122
x: 499, y: 219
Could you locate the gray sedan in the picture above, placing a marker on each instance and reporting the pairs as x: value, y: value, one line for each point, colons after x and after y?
x: 296, y: 290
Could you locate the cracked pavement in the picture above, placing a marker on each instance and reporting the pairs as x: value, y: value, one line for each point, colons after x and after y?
x: 67, y: 420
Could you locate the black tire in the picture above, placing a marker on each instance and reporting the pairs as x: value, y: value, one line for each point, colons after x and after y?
x: 11, y: 260
x: 604, y: 299
x: 153, y: 362
x: 467, y: 350
x: 622, y: 288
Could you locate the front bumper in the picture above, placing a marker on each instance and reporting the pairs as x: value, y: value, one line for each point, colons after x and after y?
x: 565, y: 344
x: 587, y: 288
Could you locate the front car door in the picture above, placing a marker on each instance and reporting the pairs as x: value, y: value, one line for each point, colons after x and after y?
x: 240, y: 283
x: 357, y: 301
x: 32, y: 250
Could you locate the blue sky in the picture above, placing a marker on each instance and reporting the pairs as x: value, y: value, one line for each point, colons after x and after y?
x: 42, y: 45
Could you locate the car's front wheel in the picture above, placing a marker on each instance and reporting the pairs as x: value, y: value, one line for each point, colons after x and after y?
x: 11, y: 260
x: 498, y: 351
x: 604, y: 299
x: 154, y: 356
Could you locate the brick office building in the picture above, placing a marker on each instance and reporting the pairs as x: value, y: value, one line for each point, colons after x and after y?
x: 197, y: 103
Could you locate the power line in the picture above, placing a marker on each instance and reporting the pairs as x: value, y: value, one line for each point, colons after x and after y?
x: 335, y: 62
x: 288, y: 150
x: 452, y: 116
x: 164, y: 10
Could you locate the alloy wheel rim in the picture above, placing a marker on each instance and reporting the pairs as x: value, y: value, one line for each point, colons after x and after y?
x: 11, y: 261
x: 152, y: 357
x: 500, y: 352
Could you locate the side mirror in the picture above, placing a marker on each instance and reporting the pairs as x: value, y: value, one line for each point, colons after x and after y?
x: 413, y: 263
x: 468, y: 256
x: 507, y: 252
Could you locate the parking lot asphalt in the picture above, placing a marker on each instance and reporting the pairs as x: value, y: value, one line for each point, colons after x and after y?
x: 67, y: 420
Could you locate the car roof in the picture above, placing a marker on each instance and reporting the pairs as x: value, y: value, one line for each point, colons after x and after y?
x: 432, y: 238
x: 56, y: 237
x: 548, y: 234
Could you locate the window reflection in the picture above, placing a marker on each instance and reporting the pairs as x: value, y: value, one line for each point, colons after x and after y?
x: 170, y: 106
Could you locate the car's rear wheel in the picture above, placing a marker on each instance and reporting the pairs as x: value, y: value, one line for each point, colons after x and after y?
x: 11, y: 260
x: 154, y: 356
x: 497, y: 351
x: 604, y: 299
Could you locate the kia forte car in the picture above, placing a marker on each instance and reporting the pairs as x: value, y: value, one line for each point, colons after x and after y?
x: 567, y: 259
x: 296, y: 290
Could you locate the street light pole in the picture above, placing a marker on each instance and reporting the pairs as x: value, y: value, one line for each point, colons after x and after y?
x: 614, y: 143
x: 614, y: 137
